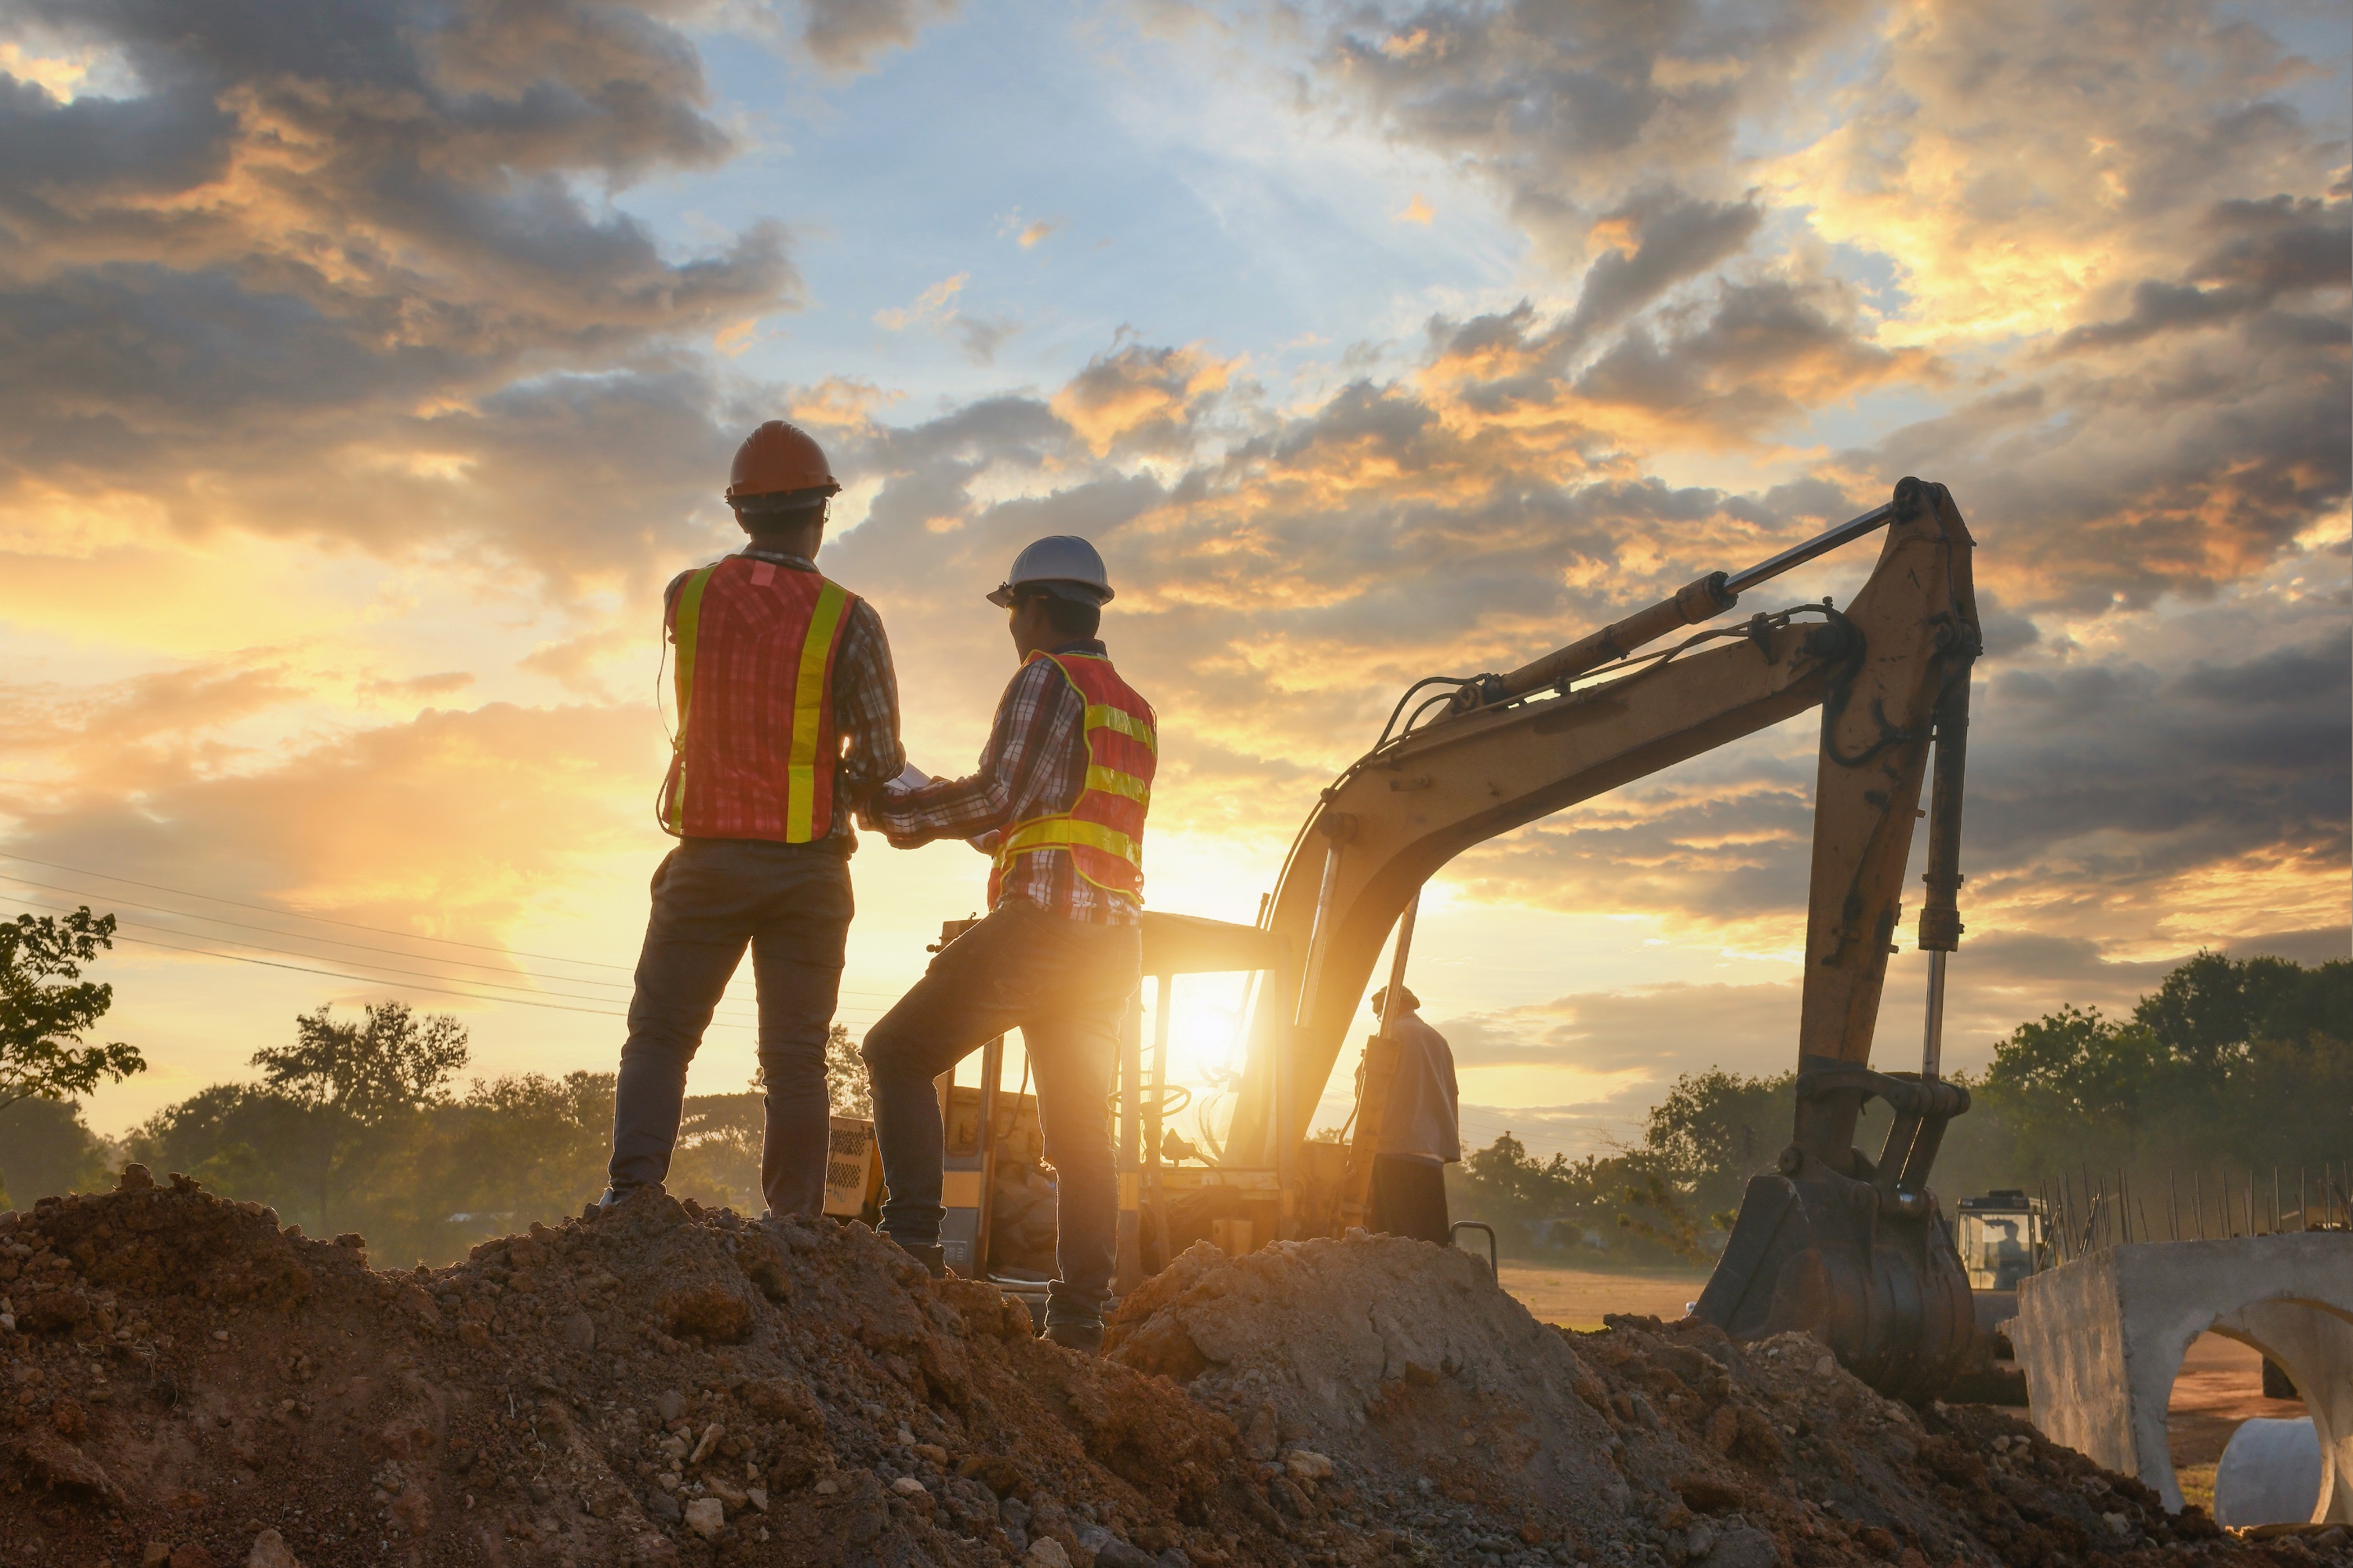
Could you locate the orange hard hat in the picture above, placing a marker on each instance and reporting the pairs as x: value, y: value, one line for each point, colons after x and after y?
x: 780, y: 460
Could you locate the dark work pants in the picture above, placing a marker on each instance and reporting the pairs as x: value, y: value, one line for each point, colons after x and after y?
x: 1065, y: 984
x: 1409, y: 1199
x: 790, y: 903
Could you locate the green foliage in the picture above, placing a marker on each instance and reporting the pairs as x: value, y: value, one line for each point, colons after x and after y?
x: 343, y: 1102
x: 366, y: 1073
x: 45, y: 1005
x: 845, y: 1074
x: 424, y: 1184
x: 2244, y: 1064
x: 717, y: 1160
x: 45, y: 1147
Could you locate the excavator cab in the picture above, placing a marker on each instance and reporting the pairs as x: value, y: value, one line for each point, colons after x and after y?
x: 1848, y: 1246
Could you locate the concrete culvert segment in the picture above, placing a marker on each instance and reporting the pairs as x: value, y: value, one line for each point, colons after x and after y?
x: 180, y: 1381
x: 2101, y: 1340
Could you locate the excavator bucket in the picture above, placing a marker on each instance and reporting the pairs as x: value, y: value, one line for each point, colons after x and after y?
x: 1860, y: 1258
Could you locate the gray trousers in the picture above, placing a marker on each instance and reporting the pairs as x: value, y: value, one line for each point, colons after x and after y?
x: 791, y: 905
x: 1065, y: 984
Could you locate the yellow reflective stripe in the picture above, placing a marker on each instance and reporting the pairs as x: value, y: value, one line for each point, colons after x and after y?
x: 1050, y: 832
x: 684, y: 624
x: 809, y: 705
x: 1110, y: 781
x: 1100, y: 716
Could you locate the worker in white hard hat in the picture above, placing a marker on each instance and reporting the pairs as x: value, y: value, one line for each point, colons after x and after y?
x: 1057, y: 802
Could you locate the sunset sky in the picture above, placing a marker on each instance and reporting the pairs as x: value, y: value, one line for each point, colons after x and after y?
x: 365, y: 369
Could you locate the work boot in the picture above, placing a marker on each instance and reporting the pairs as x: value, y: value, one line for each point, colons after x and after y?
x: 1083, y: 1335
x: 615, y: 1196
x: 935, y: 1257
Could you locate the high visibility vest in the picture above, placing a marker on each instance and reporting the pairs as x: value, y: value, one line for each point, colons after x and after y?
x: 1103, y: 829
x: 756, y: 745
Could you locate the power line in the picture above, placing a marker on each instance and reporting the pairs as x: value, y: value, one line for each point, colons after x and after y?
x: 349, y: 925
x: 292, y: 915
x: 374, y: 979
x: 371, y: 979
x: 300, y: 936
x: 357, y: 963
x: 724, y: 1019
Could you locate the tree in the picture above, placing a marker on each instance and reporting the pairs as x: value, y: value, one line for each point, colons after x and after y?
x: 357, y: 1079
x: 45, y: 1147
x: 845, y: 1075
x: 41, y: 1021
x: 846, y: 1087
x: 368, y: 1072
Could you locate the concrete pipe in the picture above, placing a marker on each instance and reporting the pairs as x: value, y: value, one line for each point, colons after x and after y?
x: 2270, y: 1474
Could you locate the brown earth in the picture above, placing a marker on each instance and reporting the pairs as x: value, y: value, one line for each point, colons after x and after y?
x: 182, y: 1383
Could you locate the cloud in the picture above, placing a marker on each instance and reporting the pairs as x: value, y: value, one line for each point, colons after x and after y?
x: 1568, y: 110
x: 1418, y: 210
x: 454, y: 821
x: 297, y: 252
x: 935, y: 307
x: 441, y: 684
x: 1139, y: 398
x: 2283, y: 248
x: 935, y: 303
x: 1032, y: 232
x: 847, y: 37
x: 364, y: 286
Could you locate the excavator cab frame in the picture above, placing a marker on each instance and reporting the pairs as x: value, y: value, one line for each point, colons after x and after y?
x: 1851, y: 1248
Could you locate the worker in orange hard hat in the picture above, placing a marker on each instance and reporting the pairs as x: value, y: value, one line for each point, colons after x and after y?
x: 1057, y: 802
x: 788, y: 719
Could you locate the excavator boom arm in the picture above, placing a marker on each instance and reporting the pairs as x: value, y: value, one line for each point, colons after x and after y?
x: 1483, y: 769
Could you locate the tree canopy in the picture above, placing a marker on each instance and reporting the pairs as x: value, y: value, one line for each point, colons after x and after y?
x: 45, y: 1006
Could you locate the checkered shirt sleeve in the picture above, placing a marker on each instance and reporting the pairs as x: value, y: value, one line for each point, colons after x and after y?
x: 1034, y: 765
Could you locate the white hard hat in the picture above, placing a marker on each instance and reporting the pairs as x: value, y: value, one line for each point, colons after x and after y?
x: 1063, y: 565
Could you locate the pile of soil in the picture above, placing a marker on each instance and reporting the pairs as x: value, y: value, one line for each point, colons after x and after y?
x: 182, y: 1382
x: 1457, y: 1429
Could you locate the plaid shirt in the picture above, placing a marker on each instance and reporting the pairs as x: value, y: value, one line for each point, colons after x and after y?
x: 1035, y: 765
x: 865, y: 699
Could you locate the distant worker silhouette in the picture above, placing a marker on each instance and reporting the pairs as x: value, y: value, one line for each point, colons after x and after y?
x: 1422, y: 1129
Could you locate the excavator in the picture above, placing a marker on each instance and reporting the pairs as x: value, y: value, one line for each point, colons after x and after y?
x: 1851, y: 1248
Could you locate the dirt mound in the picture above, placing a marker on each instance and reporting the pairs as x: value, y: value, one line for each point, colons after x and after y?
x: 654, y: 1385
x: 1445, y: 1424
x: 181, y: 1381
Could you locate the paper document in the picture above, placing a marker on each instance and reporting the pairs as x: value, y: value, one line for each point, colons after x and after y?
x: 909, y: 777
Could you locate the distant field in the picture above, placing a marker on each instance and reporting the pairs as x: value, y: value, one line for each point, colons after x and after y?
x: 1577, y: 1297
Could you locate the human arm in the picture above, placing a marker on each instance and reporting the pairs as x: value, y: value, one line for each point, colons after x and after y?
x: 866, y: 707
x: 1024, y: 769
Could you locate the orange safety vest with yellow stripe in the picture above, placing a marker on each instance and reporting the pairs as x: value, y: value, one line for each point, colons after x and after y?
x: 1103, y: 829
x: 757, y: 743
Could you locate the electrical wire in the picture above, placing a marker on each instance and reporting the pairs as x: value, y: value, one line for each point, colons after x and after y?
x: 355, y: 963
x: 300, y: 936
x: 371, y: 979
x: 438, y: 990
x: 323, y: 919
x: 349, y: 925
